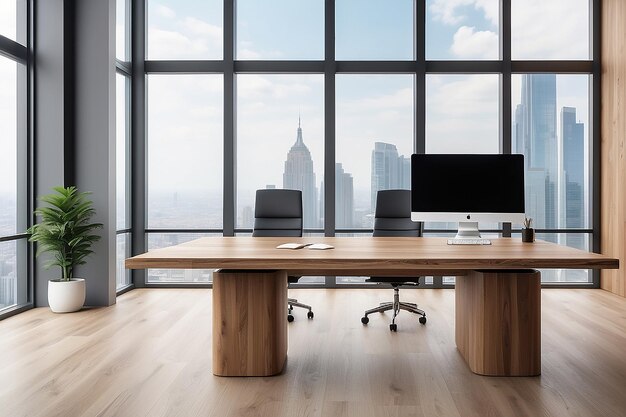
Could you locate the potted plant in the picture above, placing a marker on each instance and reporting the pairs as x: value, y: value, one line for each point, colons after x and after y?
x: 528, y: 233
x: 66, y: 232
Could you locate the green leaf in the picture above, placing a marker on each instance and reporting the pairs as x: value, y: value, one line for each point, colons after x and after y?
x: 65, y: 229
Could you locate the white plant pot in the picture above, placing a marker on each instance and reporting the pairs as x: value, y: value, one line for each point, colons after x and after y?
x: 66, y: 296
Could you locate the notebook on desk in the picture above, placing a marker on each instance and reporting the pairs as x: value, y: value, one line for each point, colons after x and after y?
x: 314, y: 246
x: 292, y: 245
x: 320, y: 246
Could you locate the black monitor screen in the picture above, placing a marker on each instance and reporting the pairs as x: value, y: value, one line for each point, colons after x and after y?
x: 467, y: 183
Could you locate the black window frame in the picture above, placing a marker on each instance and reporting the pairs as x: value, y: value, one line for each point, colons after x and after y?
x: 20, y: 51
x: 329, y: 67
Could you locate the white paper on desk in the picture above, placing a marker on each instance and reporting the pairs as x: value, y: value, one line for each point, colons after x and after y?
x: 320, y: 246
x: 292, y: 245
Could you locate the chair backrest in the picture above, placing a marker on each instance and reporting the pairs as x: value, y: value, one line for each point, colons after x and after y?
x: 278, y: 213
x: 393, y: 214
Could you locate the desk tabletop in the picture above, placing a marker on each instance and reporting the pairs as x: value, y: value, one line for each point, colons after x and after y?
x: 367, y: 255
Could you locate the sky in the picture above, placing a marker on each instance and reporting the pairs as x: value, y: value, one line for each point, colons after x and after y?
x: 185, y: 115
x: 462, y: 110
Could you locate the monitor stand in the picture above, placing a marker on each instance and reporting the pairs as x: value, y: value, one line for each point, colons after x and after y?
x: 468, y: 230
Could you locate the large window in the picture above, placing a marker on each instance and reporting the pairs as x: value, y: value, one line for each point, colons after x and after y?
x: 122, y: 143
x: 184, y: 164
x: 284, y: 113
x: 184, y: 121
x: 14, y: 157
x: 374, y: 143
x: 243, y: 95
x: 122, y: 183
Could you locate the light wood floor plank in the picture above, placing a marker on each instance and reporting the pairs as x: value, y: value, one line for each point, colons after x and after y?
x: 150, y: 355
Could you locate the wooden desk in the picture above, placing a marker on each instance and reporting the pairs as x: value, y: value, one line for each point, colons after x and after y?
x: 498, y: 298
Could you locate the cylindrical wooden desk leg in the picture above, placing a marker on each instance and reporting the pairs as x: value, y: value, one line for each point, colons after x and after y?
x: 498, y: 322
x: 249, y: 323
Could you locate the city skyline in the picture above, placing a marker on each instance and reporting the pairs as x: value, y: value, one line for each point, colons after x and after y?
x: 553, y: 142
x: 388, y: 170
x: 555, y: 167
x: 555, y: 163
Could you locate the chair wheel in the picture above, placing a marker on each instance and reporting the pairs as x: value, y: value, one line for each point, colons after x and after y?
x: 365, y: 320
x: 393, y: 327
x: 290, y: 318
x: 310, y: 314
x: 423, y: 319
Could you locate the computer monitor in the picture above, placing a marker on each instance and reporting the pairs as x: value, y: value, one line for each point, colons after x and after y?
x: 467, y: 189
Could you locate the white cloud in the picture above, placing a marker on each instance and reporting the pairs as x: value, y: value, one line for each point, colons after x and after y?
x: 472, y: 44
x: 491, y: 9
x: 398, y: 99
x: 448, y: 11
x: 557, y: 29
x: 540, y: 29
x: 259, y: 87
x: 462, y: 114
x: 246, y: 53
x: 184, y: 38
x: 251, y: 53
x: 180, y: 45
x: 164, y: 11
x: 203, y: 29
x: 185, y: 132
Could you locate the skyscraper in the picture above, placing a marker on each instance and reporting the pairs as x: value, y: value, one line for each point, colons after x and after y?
x: 299, y: 175
x: 344, y: 198
x: 389, y: 170
x: 534, y: 134
x: 573, y: 173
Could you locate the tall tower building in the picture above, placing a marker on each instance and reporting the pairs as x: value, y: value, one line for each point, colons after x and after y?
x: 534, y: 132
x: 573, y: 172
x: 344, y: 198
x: 389, y: 170
x: 299, y: 175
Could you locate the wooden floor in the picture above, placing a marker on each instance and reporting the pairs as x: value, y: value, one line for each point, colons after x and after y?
x: 150, y: 355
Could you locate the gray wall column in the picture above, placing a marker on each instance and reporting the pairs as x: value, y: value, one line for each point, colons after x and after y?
x: 94, y: 129
x: 49, y: 123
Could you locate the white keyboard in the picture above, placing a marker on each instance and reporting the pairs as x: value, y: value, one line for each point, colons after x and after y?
x: 469, y: 242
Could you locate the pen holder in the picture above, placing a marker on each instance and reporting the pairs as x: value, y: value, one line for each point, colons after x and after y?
x: 528, y: 235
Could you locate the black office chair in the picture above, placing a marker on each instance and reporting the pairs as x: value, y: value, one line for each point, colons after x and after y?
x: 393, y: 218
x: 279, y: 213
